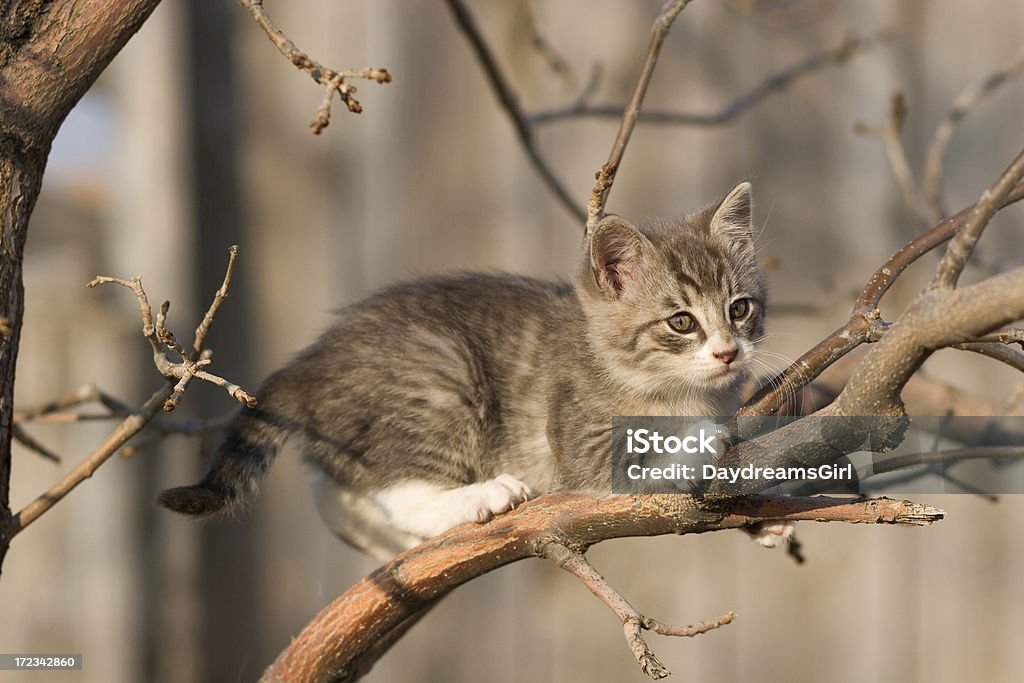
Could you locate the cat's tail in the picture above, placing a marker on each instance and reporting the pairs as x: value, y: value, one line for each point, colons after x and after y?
x: 246, y: 453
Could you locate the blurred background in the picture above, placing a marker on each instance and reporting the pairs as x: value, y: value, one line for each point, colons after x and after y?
x: 196, y: 138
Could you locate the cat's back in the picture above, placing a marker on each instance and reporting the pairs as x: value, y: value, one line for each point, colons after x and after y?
x: 463, y: 333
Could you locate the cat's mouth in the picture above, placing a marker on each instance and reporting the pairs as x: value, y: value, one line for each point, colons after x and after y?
x: 723, y: 371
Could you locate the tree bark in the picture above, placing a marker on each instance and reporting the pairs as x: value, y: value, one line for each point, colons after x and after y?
x: 50, y: 54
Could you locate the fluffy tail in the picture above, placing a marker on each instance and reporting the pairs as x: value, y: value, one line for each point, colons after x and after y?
x: 244, y: 456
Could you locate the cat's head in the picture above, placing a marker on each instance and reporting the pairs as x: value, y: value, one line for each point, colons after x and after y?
x: 673, y: 308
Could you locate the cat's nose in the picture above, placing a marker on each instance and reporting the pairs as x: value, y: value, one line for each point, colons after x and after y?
x: 727, y: 355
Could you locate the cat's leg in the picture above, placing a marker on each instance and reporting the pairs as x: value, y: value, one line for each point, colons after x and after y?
x: 771, y: 534
x: 427, y: 509
x: 358, y: 520
x: 386, y: 522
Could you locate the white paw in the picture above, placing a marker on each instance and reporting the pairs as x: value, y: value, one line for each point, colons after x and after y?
x: 427, y: 509
x: 772, y: 534
x: 484, y: 500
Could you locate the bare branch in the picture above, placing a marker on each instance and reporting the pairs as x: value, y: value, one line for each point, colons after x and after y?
x: 965, y: 102
x: 633, y: 622
x: 83, y: 394
x: 161, y: 340
x: 886, y: 275
x: 347, y: 629
x: 865, y: 323
x: 509, y: 101
x: 218, y: 298
x: 606, y: 176
x: 543, y: 46
x: 1011, y: 335
x: 892, y: 138
x: 131, y: 426
x: 996, y: 350
x: 901, y: 462
x: 333, y: 81
x: 850, y: 45
x: 961, y: 246
x: 30, y: 442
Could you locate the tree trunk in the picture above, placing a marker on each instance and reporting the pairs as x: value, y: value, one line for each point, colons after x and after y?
x: 50, y: 54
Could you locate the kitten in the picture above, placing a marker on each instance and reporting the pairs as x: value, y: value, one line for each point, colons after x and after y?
x: 452, y: 399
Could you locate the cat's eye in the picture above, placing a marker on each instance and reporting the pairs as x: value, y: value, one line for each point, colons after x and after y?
x: 738, y: 309
x: 683, y: 323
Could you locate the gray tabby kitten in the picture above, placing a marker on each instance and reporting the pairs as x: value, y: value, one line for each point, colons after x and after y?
x: 452, y: 399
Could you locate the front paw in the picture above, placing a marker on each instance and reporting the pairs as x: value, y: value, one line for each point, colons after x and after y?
x: 771, y: 534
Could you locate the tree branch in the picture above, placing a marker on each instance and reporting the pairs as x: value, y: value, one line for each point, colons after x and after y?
x: 606, y: 176
x: 865, y: 323
x: 160, y: 340
x: 50, y: 54
x: 964, y: 104
x: 849, y: 46
x: 633, y: 622
x: 333, y: 81
x: 962, y: 245
x: 348, y: 628
x: 509, y: 102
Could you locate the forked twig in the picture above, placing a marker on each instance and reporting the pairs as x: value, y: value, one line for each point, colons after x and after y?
x: 161, y: 341
x: 190, y: 364
x: 633, y: 622
x: 865, y: 323
x: 332, y: 81
x: 962, y: 245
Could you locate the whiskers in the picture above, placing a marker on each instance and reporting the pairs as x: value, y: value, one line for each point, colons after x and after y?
x: 775, y: 364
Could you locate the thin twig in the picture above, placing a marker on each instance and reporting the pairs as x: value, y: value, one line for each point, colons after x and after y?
x: 962, y: 245
x: 191, y: 364
x: 897, y: 153
x: 996, y: 350
x: 333, y: 81
x: 131, y: 426
x: 543, y: 46
x: 509, y: 102
x: 606, y: 176
x: 1011, y: 335
x: 901, y: 462
x: 964, y: 104
x: 865, y: 323
x: 633, y: 622
x: 161, y: 340
x: 31, y: 443
x: 892, y: 141
x: 84, y: 394
x: 838, y: 55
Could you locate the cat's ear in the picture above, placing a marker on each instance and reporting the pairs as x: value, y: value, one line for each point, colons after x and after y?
x: 732, y: 219
x: 616, y: 250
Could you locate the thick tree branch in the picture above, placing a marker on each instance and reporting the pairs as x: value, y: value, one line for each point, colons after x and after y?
x: 50, y: 54
x: 345, y: 630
